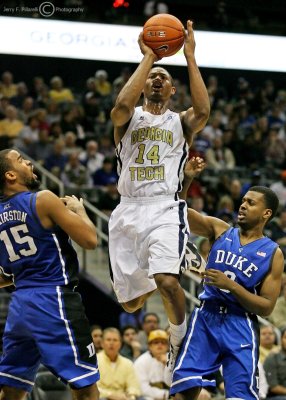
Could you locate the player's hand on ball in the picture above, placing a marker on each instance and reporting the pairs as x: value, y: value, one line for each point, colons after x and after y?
x: 190, y: 44
x: 146, y: 49
x: 72, y: 203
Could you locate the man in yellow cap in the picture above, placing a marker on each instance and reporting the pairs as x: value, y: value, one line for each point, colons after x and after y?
x: 150, y: 366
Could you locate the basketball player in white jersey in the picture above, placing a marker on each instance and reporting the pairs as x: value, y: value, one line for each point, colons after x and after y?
x: 148, y: 231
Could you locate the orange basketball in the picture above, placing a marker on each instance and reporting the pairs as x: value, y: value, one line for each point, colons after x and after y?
x: 164, y: 34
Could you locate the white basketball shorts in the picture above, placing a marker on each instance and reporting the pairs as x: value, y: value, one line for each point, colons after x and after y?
x: 147, y: 236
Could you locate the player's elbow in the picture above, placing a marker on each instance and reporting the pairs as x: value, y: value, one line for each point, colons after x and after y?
x: 91, y: 244
x: 121, y: 113
x: 202, y: 115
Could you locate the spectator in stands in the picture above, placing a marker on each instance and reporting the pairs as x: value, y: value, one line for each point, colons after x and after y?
x: 213, y: 129
x: 219, y: 157
x: 7, y: 87
x: 91, y: 157
x: 275, y: 149
x: 75, y: 176
x: 109, y: 198
x: 120, y: 81
x: 151, y: 322
x: 71, y: 143
x: 254, y: 181
x: 96, y: 334
x: 53, y: 112
x: 58, y: 92
x: 118, y: 380
x: 267, y: 342
x: 278, y: 315
x: 134, y: 319
x: 106, y: 146
x: 215, y: 91
x: 276, y: 230
x: 43, y: 148
x: 10, y: 126
x: 41, y: 114
x: 57, y: 160
x: 131, y: 348
x: 279, y: 187
x: 27, y: 109
x: 22, y: 93
x: 150, y: 367
x: 203, y: 245
x: 275, y: 369
x: 28, y: 136
x: 105, y: 175
x: 235, y: 193
x: 102, y: 85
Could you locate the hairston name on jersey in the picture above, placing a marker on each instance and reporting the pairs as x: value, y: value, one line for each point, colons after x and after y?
x: 12, y: 215
x: 152, y: 133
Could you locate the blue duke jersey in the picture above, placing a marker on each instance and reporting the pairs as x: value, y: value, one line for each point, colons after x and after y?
x: 151, y: 155
x: 30, y: 254
x: 246, y: 264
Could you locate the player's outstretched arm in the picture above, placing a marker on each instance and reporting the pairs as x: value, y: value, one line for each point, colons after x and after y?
x: 193, y: 168
x: 69, y: 214
x: 196, y: 117
x: 262, y: 304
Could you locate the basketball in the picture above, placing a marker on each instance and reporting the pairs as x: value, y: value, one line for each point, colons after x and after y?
x: 164, y: 33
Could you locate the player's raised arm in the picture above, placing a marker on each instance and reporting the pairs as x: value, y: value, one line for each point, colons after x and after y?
x: 70, y: 215
x: 130, y: 93
x: 196, y: 117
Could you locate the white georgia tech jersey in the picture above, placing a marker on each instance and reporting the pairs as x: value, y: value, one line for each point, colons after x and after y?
x: 151, y: 155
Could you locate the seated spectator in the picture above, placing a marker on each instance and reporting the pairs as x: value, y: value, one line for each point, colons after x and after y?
x: 278, y: 315
x: 267, y: 342
x: 21, y: 95
x: 27, y: 109
x: 75, y: 175
x: 135, y: 319
x: 96, y: 334
x: 7, y: 87
x: 109, y: 198
x: 90, y: 157
x: 58, y: 93
x: 106, y: 146
x: 106, y: 174
x: 43, y: 147
x: 102, y: 85
x: 276, y: 230
x: 131, y: 348
x: 279, y: 187
x: 255, y: 180
x: 150, y: 367
x: 118, y: 379
x: 10, y: 126
x: 71, y: 143
x: 151, y: 322
x: 57, y: 160
x: 275, y: 149
x: 219, y: 157
x: 275, y: 370
x: 28, y: 136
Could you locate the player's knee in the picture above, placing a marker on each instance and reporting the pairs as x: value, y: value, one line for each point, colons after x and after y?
x: 168, y: 285
x: 131, y: 306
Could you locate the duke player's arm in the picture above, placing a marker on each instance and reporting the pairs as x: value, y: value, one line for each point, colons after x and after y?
x: 262, y: 304
x: 5, y: 281
x: 71, y: 218
x: 196, y: 117
x: 131, y: 92
x: 209, y: 227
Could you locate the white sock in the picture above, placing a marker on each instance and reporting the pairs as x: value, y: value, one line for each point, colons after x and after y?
x: 177, y: 332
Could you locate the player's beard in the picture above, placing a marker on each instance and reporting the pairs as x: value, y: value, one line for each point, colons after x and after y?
x: 33, y: 184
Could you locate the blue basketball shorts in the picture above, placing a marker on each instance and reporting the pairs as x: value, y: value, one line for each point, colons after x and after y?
x: 218, y: 337
x: 47, y: 326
